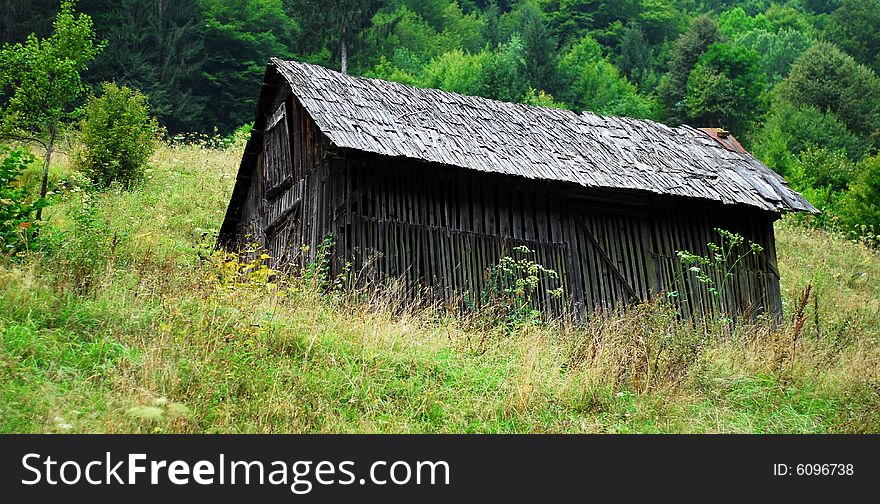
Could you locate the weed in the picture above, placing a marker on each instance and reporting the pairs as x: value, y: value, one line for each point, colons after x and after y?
x: 716, y: 270
x: 512, y: 287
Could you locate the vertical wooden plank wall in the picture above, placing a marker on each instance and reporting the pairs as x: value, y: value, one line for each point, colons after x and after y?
x: 252, y: 224
x: 755, y: 286
x: 440, y: 229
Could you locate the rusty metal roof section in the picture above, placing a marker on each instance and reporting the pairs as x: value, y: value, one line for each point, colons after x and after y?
x: 592, y: 151
x: 725, y: 139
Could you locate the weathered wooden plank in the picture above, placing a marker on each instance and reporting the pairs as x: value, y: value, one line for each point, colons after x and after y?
x: 542, y: 226
x: 503, y: 202
x: 574, y: 266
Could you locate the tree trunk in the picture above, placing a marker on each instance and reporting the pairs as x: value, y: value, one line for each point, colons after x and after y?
x: 45, y: 187
x: 343, y: 43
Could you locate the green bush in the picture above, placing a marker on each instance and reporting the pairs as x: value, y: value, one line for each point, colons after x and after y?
x: 861, y: 205
x: 832, y: 81
x: 118, y: 136
x: 84, y: 249
x: 823, y: 177
x: 17, y: 226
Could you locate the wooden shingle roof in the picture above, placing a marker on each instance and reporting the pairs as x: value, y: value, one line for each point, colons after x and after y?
x: 592, y: 151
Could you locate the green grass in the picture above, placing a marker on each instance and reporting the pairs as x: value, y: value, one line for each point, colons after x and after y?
x: 123, y: 325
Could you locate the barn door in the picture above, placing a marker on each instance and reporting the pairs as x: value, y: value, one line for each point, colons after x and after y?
x: 283, y: 220
x: 614, y: 265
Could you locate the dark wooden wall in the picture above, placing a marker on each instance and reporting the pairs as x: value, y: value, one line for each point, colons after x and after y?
x: 443, y: 227
x: 289, y: 215
x: 440, y: 228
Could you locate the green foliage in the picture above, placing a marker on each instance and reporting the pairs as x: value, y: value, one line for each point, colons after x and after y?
x: 386, y: 70
x: 331, y: 31
x: 491, y: 26
x: 87, y: 248
x: 41, y: 82
x: 42, y: 78
x: 403, y: 32
x: 822, y: 6
x: 860, y: 208
x: 606, y: 20
x: 238, y: 138
x: 735, y: 22
x: 855, y: 27
x: 513, y: 286
x: 787, y: 17
x: 458, y: 72
x: 724, y: 89
x: 505, y: 78
x: 316, y: 273
x: 17, y: 225
x: 661, y: 20
x: 158, y: 47
x: 464, y: 31
x: 118, y: 136
x: 778, y: 50
x: 597, y: 84
x: 673, y: 88
x: 716, y: 269
x: 710, y: 99
x: 572, y: 19
x: 831, y: 80
x: 239, y: 38
x: 539, y: 51
x: 636, y: 57
x: 248, y: 270
x: 791, y: 129
x: 823, y: 176
x: 541, y: 99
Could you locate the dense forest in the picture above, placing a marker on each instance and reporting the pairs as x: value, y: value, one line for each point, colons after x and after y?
x: 796, y: 81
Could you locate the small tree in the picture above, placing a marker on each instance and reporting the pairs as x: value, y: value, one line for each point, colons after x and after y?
x: 686, y: 52
x: 597, y: 85
x: 635, y: 60
x: 118, y: 136
x: 40, y: 83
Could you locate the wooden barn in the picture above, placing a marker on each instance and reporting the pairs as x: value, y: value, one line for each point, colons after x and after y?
x: 434, y: 187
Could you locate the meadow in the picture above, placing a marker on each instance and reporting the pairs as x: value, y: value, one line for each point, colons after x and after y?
x: 128, y: 321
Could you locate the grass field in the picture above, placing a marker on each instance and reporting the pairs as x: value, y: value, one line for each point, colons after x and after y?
x: 123, y: 324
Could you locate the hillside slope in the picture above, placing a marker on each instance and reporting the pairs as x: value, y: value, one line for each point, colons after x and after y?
x: 129, y: 324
